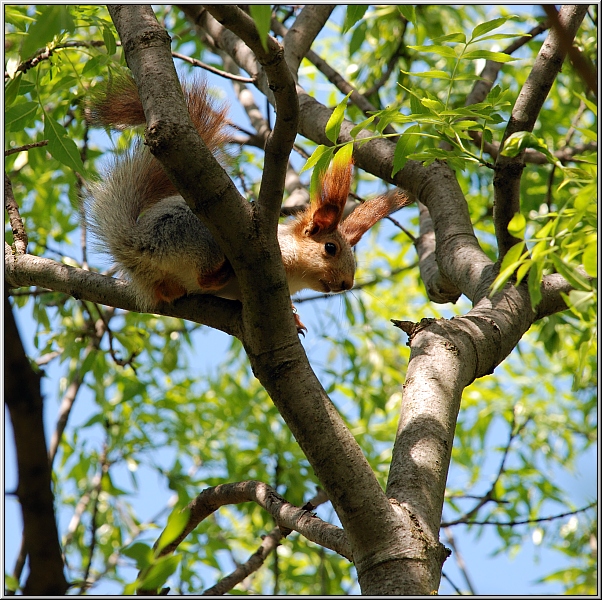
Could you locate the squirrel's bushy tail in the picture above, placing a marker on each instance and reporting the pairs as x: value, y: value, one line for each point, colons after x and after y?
x: 115, y: 103
x: 114, y: 202
x: 134, y: 180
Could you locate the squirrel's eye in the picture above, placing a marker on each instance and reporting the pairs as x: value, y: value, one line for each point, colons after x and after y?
x: 330, y: 248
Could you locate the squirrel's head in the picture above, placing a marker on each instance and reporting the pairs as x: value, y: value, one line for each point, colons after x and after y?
x: 317, y: 245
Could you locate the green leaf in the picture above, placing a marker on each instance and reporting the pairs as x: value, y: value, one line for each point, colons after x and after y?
x: 520, y: 141
x: 316, y: 155
x: 504, y: 36
x: 354, y: 13
x: 588, y: 103
x: 570, y: 274
x: 405, y: 146
x: 488, y: 26
x: 434, y: 74
x: 55, y: 19
x: 435, y: 105
x: 357, y: 38
x: 517, y: 225
x: 320, y: 167
x: 590, y: 259
x: 61, y: 146
x: 11, y: 91
x: 343, y: 155
x: 11, y: 583
x: 95, y: 63
x: 109, y: 39
x: 509, y: 264
x: 487, y: 55
x: 175, y: 525
x: 581, y: 302
x: 262, y: 15
x: 333, y: 127
x: 408, y: 12
x: 159, y: 572
x: 141, y: 553
x: 436, y: 49
x: 458, y: 37
x: 20, y: 116
x: 361, y: 126
x: 95, y: 419
x: 522, y: 270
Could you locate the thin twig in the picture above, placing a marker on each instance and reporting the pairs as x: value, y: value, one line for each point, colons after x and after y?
x: 197, y: 63
x: 524, y: 521
x: 459, y: 560
x: 25, y: 147
x: 489, y: 496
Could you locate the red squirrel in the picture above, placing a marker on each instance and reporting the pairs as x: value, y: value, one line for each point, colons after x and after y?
x: 140, y: 219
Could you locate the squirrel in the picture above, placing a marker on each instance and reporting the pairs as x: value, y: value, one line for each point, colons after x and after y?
x: 139, y: 217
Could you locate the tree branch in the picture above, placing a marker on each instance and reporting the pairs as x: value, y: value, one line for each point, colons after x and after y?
x: 270, y: 543
x: 438, y: 287
x: 16, y: 222
x: 26, y: 270
x: 300, y: 36
x: 334, y: 77
x: 34, y: 490
x: 284, y: 513
x: 280, y: 142
x: 581, y: 64
x: 524, y: 521
x: 197, y: 63
x: 508, y: 170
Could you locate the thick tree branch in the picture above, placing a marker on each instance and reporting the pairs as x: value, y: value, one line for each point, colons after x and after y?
x: 27, y: 270
x: 446, y: 357
x: 508, y: 170
x: 280, y: 141
x: 581, y: 64
x: 34, y: 490
x: 552, y: 288
x: 438, y: 287
x: 298, y: 39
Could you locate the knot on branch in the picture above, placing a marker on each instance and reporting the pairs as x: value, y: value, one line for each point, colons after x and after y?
x: 411, y: 328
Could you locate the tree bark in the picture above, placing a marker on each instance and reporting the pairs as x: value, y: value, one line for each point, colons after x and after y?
x: 34, y: 490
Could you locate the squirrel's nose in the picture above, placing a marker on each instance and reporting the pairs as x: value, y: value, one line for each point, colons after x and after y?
x: 346, y: 284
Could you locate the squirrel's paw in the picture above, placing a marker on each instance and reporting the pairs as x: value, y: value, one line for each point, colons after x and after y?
x: 301, y: 329
x: 168, y: 289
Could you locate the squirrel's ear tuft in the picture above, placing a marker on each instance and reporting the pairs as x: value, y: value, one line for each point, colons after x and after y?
x: 328, y: 203
x: 367, y: 214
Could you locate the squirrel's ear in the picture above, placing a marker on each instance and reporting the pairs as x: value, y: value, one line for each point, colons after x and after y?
x: 367, y: 214
x: 327, y: 205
